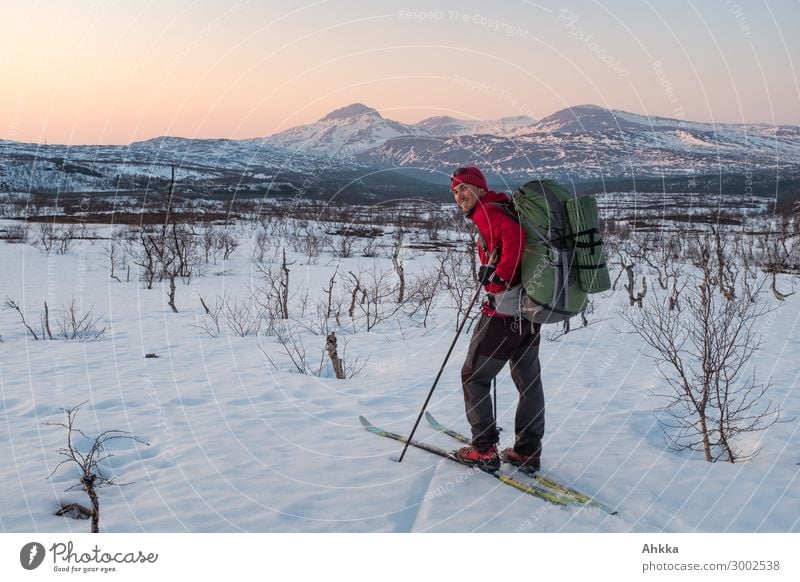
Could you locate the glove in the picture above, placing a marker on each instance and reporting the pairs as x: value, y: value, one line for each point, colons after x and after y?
x: 486, y: 274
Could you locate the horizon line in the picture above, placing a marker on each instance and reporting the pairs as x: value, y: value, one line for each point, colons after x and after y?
x: 535, y: 120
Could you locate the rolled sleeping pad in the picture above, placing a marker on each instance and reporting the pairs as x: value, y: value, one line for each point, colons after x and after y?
x: 589, y: 258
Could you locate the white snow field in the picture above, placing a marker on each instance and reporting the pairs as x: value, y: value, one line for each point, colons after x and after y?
x: 240, y: 441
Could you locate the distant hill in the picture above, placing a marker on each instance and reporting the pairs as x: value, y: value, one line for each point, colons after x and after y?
x: 354, y: 149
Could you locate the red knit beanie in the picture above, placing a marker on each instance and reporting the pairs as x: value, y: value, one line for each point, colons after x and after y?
x: 468, y: 175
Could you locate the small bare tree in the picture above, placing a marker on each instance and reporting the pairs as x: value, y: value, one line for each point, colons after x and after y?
x: 144, y: 248
x: 284, y: 286
x: 242, y: 317
x: 72, y: 322
x: 12, y: 304
x: 343, y: 247
x: 329, y: 307
x: 46, y: 322
x: 209, y: 243
x: 293, y: 347
x: 309, y: 242
x: 425, y: 288
x: 261, y: 244
x: 76, y: 324
x: 210, y: 323
x: 370, y: 249
x: 18, y: 233
x: 65, y: 237
x: 727, y: 270
x: 627, y: 264
x: 456, y: 268
x: 376, y: 294
x: 215, y: 243
x: 702, y: 348
x: 177, y: 256
x: 398, y: 265
x: 779, y: 252
x: 274, y: 294
x: 111, y: 251
x: 662, y: 255
x: 46, y: 237
x: 228, y: 243
x: 90, y: 477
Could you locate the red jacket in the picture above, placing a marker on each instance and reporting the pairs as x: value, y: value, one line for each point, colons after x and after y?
x: 498, y: 231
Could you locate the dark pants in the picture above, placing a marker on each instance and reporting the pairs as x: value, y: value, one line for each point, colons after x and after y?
x: 494, y: 342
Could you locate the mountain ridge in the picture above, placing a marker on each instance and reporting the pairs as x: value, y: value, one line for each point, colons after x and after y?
x: 583, y: 143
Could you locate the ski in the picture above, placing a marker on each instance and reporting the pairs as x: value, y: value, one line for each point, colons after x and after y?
x: 540, y: 492
x: 579, y: 496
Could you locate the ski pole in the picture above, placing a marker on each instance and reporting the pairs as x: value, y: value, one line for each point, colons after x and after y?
x: 441, y: 369
x: 494, y: 387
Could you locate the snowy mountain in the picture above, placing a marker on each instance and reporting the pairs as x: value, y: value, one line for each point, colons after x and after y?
x: 220, y: 166
x: 343, y: 133
x: 593, y: 119
x: 589, y: 142
x: 583, y: 143
x: 445, y: 126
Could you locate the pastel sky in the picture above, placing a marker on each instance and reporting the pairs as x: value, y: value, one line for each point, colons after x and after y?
x: 117, y: 71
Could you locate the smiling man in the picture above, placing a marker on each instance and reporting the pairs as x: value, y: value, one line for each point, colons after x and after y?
x: 499, y: 337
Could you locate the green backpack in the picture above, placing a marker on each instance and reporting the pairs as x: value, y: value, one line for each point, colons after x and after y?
x: 563, y: 261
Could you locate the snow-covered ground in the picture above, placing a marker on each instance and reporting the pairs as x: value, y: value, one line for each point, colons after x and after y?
x: 239, y: 441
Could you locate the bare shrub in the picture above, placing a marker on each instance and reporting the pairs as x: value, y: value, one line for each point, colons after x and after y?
x: 143, y: 248
x: 331, y: 306
x: 292, y: 347
x: 308, y: 242
x: 272, y: 294
x: 627, y: 264
x: 663, y: 254
x: 261, y: 245
x: 370, y: 248
x: 112, y: 253
x: 397, y: 262
x: 702, y: 348
x: 12, y: 304
x: 65, y: 237
x: 457, y: 277
x: 209, y: 322
x: 46, y: 238
x: 90, y: 475
x: 779, y: 251
x: 73, y: 323
x: 216, y: 243
x: 373, y: 294
x: 448, y: 275
x: 343, y: 246
x: 178, y: 256
x: 242, y: 317
x: 16, y: 233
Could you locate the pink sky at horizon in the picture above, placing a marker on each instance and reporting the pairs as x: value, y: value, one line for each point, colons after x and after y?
x: 94, y: 72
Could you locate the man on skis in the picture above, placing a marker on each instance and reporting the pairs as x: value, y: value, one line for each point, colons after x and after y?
x: 500, y: 336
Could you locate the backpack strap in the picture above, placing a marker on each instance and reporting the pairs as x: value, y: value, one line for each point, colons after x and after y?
x: 528, y: 225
